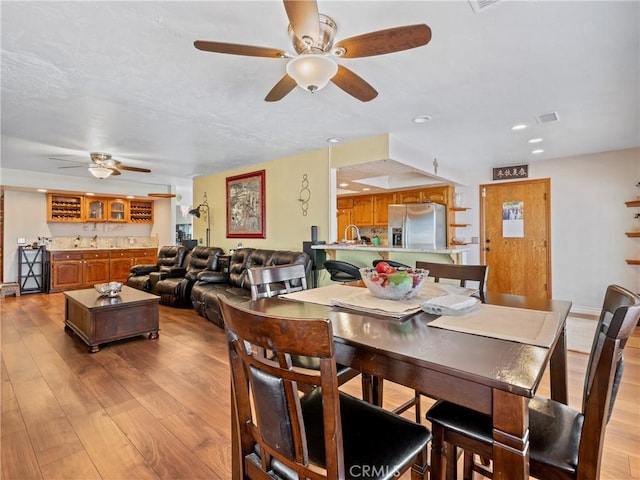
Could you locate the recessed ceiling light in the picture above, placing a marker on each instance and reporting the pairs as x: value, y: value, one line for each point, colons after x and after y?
x: 90, y: 194
x: 130, y: 196
x: 335, y: 139
x: 344, y: 184
x: 366, y: 189
x: 539, y: 150
x: 520, y: 126
x: 42, y: 190
x: 535, y: 140
x: 421, y: 119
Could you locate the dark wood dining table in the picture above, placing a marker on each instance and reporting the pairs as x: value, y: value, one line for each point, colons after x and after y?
x: 490, y: 375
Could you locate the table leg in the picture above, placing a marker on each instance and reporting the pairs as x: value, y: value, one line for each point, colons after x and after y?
x: 510, y: 436
x: 558, y: 370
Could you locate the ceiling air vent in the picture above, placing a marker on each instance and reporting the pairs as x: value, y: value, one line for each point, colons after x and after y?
x: 479, y: 5
x: 547, y: 117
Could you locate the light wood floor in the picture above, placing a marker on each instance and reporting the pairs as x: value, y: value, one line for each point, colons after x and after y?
x: 160, y: 408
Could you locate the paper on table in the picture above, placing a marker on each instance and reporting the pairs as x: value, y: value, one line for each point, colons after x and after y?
x: 453, y: 301
x: 533, y: 327
x: 364, y: 301
x: 433, y: 289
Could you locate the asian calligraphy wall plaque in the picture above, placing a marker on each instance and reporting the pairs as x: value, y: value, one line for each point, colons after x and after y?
x: 511, y: 172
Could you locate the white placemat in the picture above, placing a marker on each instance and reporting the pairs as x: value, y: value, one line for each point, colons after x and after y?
x: 532, y: 327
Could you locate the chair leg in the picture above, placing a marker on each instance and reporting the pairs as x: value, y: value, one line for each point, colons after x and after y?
x: 468, y: 466
x: 420, y: 469
x: 452, y: 454
x: 438, y: 456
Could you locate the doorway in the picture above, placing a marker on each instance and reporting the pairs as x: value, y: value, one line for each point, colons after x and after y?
x: 516, y: 237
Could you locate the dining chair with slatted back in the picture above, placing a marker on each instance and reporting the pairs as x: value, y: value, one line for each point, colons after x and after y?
x: 463, y: 273
x: 288, y: 278
x: 323, y: 434
x: 564, y: 443
x: 277, y: 279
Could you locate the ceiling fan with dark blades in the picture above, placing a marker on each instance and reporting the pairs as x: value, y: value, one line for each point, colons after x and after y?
x: 312, y: 35
x: 102, y: 165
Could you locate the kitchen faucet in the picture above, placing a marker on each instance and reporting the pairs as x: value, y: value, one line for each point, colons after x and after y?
x: 351, y: 225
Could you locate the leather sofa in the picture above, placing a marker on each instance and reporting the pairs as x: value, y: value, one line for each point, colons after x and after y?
x: 169, y: 257
x: 234, y: 283
x: 175, y: 287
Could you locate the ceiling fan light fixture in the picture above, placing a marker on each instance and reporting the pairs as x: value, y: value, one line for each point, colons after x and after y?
x: 312, y: 71
x: 100, y: 172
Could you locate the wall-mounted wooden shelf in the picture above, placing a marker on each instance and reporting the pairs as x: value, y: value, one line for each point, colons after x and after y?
x: 633, y: 262
x: 459, y: 209
x: 633, y: 203
x: 633, y: 234
x: 461, y: 225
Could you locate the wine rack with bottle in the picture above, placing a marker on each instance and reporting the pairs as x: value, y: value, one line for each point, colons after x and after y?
x: 65, y: 208
x: 141, y: 211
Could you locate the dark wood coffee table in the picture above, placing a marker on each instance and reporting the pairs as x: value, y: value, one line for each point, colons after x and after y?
x: 96, y: 319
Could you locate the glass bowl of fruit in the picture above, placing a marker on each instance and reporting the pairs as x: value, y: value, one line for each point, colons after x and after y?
x: 385, y: 281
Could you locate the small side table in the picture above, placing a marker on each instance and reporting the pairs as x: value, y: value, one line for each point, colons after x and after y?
x: 223, y: 262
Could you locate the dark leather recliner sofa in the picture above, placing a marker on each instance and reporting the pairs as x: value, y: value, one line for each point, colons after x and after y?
x: 175, y: 288
x: 170, y: 257
x: 234, y: 284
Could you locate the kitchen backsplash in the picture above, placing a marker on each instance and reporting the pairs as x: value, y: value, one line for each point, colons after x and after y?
x: 95, y: 241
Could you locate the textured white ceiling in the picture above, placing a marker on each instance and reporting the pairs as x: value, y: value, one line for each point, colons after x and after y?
x: 124, y: 77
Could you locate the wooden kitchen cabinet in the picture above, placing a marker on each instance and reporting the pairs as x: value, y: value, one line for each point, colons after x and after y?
x: 122, y: 260
x: 409, y: 196
x: 120, y: 265
x: 141, y: 211
x: 363, y: 211
x: 66, y: 271
x: 117, y: 210
x: 95, y: 268
x: 83, y: 269
x: 96, y: 209
x: 65, y: 208
x: 381, y: 204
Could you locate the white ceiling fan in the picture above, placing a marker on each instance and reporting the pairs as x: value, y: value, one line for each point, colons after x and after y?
x: 103, y: 165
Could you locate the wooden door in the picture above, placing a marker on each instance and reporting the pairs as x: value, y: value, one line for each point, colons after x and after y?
x: 66, y: 271
x: 516, y: 237
x: 95, y: 268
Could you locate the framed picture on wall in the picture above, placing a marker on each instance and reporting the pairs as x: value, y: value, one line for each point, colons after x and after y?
x: 246, y: 205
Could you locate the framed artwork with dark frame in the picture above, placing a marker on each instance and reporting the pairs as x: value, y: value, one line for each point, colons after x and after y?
x: 246, y: 205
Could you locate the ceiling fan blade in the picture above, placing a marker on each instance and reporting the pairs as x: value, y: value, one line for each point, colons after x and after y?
x: 385, y: 41
x: 115, y: 171
x: 237, y: 49
x: 73, y: 166
x: 304, y: 19
x: 354, y: 85
x: 132, y: 169
x: 67, y: 160
x: 284, y: 86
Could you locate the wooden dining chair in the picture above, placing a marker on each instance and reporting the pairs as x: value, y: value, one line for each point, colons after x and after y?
x: 563, y: 443
x: 288, y: 278
x: 324, y: 434
x: 463, y: 273
x: 276, y: 280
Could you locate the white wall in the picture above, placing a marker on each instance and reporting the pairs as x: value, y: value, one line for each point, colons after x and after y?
x: 25, y: 215
x: 588, y: 223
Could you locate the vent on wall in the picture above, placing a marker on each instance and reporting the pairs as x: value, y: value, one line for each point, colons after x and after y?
x: 479, y: 5
x: 547, y: 117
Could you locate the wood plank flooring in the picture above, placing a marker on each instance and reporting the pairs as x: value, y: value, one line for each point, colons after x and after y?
x: 153, y: 409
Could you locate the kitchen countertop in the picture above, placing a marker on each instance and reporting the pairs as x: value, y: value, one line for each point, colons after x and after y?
x: 387, y: 249
x: 90, y: 249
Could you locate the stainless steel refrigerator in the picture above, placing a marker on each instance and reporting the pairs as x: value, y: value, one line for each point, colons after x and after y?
x: 418, y: 225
